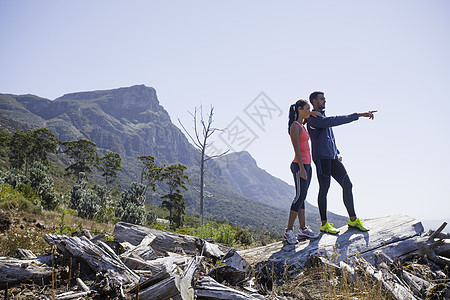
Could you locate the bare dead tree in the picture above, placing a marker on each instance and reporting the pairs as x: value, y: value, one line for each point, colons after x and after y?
x: 203, y: 130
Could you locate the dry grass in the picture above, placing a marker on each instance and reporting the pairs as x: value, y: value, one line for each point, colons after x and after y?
x: 27, y: 230
x: 322, y: 282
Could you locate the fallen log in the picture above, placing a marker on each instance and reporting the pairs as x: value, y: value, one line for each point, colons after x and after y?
x: 156, y: 265
x: 15, y: 270
x: 165, y: 289
x: 162, y: 242
x: 175, y: 286
x: 390, y: 281
x: 395, y: 240
x: 186, y: 282
x: 208, y: 288
x: 100, y: 258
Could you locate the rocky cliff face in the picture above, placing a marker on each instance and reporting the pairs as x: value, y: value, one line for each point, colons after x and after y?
x: 129, y: 121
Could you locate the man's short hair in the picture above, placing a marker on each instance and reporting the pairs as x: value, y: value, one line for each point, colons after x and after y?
x: 314, y: 95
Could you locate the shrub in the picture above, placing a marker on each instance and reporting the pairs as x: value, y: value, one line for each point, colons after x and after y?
x: 130, y: 207
x: 11, y: 199
x: 243, y: 237
x: 43, y: 186
x: 85, y: 201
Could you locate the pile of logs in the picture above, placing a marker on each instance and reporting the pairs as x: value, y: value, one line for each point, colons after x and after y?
x: 144, y: 263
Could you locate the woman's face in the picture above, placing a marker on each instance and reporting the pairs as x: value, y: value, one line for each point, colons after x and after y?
x: 304, y: 112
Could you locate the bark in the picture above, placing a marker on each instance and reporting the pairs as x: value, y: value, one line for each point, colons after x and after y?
x: 163, y: 242
x: 100, y: 258
x: 15, y: 270
x: 396, y: 239
x: 208, y: 288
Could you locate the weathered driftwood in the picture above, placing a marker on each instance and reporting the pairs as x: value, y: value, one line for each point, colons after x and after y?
x: 25, y: 254
x: 143, y: 250
x: 395, y: 240
x: 390, y: 281
x: 72, y: 295
x: 82, y: 285
x: 419, y: 286
x: 208, y: 288
x: 161, y: 241
x: 233, y: 270
x: 15, y: 270
x: 174, y: 286
x: 211, y: 250
x: 100, y: 258
x: 165, y: 289
x: 186, y: 281
x: 438, y: 231
x: 156, y: 265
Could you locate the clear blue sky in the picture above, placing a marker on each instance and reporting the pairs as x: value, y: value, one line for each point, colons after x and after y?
x: 387, y: 55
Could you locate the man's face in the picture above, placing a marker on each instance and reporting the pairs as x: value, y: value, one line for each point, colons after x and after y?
x: 319, y: 102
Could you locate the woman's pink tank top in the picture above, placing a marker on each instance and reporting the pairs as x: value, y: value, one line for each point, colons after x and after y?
x: 304, y: 146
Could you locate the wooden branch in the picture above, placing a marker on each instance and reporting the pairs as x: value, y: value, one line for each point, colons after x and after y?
x: 82, y: 285
x: 72, y: 295
x: 438, y: 231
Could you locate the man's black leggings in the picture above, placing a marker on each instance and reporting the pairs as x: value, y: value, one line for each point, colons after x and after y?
x: 327, y: 168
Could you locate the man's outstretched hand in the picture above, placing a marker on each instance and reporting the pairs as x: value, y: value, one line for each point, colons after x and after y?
x: 368, y: 114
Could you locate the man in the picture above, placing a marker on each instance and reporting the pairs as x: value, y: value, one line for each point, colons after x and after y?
x: 328, y: 161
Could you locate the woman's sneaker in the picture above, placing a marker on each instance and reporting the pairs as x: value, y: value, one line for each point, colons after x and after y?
x: 307, y: 233
x: 328, y: 228
x: 357, y: 224
x: 290, y: 237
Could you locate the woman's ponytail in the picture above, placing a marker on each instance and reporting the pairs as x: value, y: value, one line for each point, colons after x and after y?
x: 293, y: 112
x: 292, y: 116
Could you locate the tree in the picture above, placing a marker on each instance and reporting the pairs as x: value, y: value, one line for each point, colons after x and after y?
x: 83, y: 154
x: 110, y: 163
x: 84, y: 200
x: 203, y: 130
x: 151, y: 172
x: 130, y: 206
x: 43, y: 185
x: 25, y: 148
x: 175, y: 178
x: 5, y: 137
x: 44, y: 142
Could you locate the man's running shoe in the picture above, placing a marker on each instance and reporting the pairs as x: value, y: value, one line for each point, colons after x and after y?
x: 307, y: 233
x: 290, y: 237
x: 328, y: 228
x: 357, y: 224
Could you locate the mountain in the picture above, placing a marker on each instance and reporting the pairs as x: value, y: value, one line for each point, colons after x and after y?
x: 131, y: 122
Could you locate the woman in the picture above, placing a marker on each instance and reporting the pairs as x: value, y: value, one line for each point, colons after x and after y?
x: 301, y: 169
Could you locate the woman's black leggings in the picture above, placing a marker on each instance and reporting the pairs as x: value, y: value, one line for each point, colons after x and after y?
x: 327, y: 168
x: 301, y: 186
